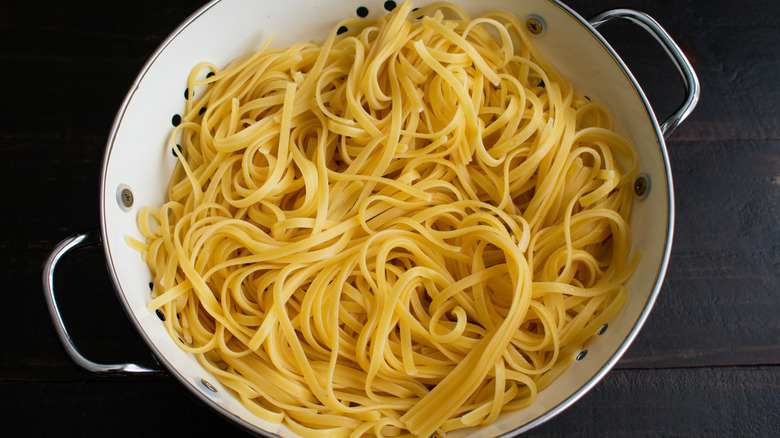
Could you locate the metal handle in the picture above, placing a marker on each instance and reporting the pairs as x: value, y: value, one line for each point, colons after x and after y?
x: 71, y: 243
x: 690, y: 80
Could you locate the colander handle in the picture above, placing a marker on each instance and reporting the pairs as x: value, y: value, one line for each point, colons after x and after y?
x: 690, y: 80
x: 67, y: 245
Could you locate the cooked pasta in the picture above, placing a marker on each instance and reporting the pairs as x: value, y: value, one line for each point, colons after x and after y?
x: 406, y: 229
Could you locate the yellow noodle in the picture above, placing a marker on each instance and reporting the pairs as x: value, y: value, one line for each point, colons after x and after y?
x: 399, y: 231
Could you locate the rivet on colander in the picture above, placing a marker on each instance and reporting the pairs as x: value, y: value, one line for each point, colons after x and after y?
x: 582, y: 355
x: 160, y: 314
x: 208, y: 386
x: 535, y: 25
x: 124, y: 197
x: 642, y: 185
x: 602, y: 329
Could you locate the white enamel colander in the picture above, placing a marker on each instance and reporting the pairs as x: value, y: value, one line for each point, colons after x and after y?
x: 137, y: 166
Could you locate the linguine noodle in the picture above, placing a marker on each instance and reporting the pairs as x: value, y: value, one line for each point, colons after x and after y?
x: 404, y: 230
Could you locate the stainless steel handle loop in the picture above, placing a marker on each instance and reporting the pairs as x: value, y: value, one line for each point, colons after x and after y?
x: 688, y: 75
x: 67, y: 245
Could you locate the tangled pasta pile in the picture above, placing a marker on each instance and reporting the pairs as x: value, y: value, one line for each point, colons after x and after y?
x: 405, y: 230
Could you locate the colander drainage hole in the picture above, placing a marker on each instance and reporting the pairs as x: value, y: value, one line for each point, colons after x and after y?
x: 390, y: 5
x: 341, y: 30
x: 582, y: 355
x: 362, y: 12
x: 160, y: 314
x: 602, y: 329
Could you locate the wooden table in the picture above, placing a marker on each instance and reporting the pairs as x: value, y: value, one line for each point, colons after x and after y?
x: 706, y: 364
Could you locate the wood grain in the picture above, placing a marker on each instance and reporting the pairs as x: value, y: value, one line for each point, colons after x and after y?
x: 717, y: 402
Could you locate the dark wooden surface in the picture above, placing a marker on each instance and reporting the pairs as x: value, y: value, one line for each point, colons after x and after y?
x: 706, y: 364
